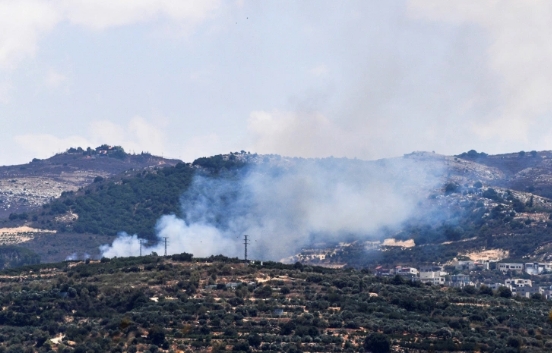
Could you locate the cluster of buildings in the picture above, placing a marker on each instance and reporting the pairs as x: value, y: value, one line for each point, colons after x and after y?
x: 532, y: 268
x: 426, y: 274
x: 437, y: 275
x: 524, y: 288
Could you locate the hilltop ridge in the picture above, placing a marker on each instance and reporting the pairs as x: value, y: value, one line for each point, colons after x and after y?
x: 28, y: 186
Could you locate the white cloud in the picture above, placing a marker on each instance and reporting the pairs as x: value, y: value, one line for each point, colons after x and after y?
x: 201, y: 146
x: 146, y: 134
x: 319, y: 70
x: 483, y: 81
x: 102, y: 14
x: 519, y: 54
x: 46, y: 145
x: 5, y: 91
x: 23, y: 22
x: 54, y: 79
x: 294, y: 134
x: 138, y: 135
x: 105, y: 131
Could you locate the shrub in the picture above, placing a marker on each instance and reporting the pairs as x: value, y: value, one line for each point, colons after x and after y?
x: 377, y: 343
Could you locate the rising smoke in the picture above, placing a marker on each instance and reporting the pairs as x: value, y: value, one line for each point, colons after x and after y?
x: 286, y: 204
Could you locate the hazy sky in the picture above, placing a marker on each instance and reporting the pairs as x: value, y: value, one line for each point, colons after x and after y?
x: 186, y: 79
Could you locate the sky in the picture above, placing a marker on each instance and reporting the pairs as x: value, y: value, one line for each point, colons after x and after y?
x: 313, y: 78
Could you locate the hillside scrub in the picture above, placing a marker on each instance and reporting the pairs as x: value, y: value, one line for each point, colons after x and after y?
x: 133, y: 204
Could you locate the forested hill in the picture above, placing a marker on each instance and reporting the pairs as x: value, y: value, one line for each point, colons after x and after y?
x: 26, y: 187
x: 478, y: 204
x: 131, y: 202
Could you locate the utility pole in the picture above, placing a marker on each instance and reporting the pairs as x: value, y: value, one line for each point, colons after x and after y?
x: 165, y: 245
x: 245, y: 242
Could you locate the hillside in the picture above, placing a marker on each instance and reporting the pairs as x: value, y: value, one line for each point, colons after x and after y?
x: 26, y: 187
x: 460, y: 205
x: 522, y: 171
x: 162, y: 304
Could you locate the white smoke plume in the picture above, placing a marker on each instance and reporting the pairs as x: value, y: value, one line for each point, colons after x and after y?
x: 75, y: 256
x: 72, y: 257
x: 286, y: 204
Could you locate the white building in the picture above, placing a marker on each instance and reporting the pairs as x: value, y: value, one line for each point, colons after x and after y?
x: 433, y: 277
x: 510, y: 266
x: 460, y: 281
x: 536, y: 268
x: 406, y: 270
x: 472, y: 265
x: 526, y: 292
x: 433, y: 274
x: 518, y: 282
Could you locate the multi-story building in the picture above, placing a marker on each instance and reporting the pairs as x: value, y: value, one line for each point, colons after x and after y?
x: 536, y: 268
x: 518, y: 282
x: 433, y: 274
x: 510, y: 266
x: 381, y: 271
x: 472, y: 265
x: 407, y: 272
x: 433, y: 277
x: 460, y: 281
x: 527, y: 291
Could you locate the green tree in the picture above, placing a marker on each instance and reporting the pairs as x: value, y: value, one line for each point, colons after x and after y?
x: 254, y: 340
x: 263, y: 292
x: 504, y: 292
x: 484, y: 290
x: 377, y: 343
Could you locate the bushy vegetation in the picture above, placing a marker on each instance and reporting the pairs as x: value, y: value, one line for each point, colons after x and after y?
x: 103, y: 150
x: 151, y: 303
x: 15, y: 256
x: 131, y: 204
x: 473, y: 154
x: 219, y: 162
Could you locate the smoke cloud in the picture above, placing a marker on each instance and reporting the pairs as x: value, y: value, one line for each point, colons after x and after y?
x: 286, y: 204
